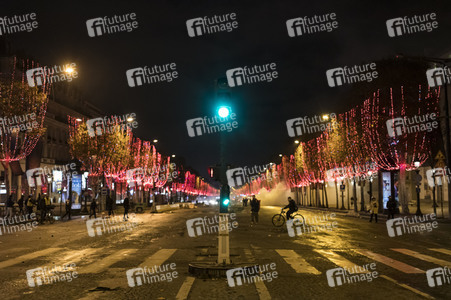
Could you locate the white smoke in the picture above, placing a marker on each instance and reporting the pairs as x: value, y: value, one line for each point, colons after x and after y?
x: 276, y: 197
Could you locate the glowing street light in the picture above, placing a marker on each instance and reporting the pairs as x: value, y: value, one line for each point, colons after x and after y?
x: 78, y: 120
x: 70, y: 70
x: 173, y: 155
x: 296, y: 142
x: 155, y: 141
x: 130, y: 119
x: 325, y: 117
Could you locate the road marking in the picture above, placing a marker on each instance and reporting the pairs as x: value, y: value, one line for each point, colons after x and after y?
x: 390, y: 262
x: 262, y: 291
x: 339, y: 260
x: 297, y: 262
x: 444, y: 251
x: 104, y: 263
x: 185, y: 288
x: 74, y: 256
x: 158, y: 258
x: 30, y: 256
x: 424, y: 257
x: 408, y: 287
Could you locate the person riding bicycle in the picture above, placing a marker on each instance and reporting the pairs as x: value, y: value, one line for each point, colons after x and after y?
x: 292, y: 207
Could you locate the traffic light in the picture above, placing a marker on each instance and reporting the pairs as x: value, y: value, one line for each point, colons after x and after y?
x: 224, y: 199
x: 213, y: 172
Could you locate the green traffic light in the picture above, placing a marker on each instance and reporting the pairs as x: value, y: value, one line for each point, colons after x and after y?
x: 226, y: 201
x: 223, y: 112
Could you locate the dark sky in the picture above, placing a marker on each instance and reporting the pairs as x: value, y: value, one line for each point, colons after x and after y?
x: 263, y: 108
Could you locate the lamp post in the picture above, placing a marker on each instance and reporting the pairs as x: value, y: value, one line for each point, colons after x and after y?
x: 418, y: 180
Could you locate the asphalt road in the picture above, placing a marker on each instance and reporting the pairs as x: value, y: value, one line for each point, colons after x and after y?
x: 294, y: 267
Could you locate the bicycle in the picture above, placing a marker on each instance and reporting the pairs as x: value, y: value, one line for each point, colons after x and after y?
x: 49, y: 216
x: 278, y: 220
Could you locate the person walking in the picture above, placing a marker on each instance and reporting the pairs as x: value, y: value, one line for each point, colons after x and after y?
x: 245, y: 201
x: 374, y: 208
x: 68, y: 209
x: 109, y: 205
x: 29, y: 205
x: 93, y: 208
x: 41, y: 207
x: 9, y: 207
x: 391, y: 206
x: 126, y: 207
x: 20, y: 202
x: 255, y: 208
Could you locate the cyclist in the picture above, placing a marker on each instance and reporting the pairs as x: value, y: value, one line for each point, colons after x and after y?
x: 292, y: 207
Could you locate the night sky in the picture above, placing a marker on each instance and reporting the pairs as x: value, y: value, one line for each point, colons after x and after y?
x: 262, y: 109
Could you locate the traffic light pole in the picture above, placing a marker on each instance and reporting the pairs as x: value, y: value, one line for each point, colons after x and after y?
x: 223, y: 229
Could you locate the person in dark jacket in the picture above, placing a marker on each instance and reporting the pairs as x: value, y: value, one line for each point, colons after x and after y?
x: 20, y: 202
x: 9, y: 207
x: 42, y: 208
x: 255, y: 208
x: 68, y: 209
x: 391, y: 207
x: 292, y: 207
x: 109, y: 205
x: 93, y: 209
x: 30, y: 204
x: 126, y: 207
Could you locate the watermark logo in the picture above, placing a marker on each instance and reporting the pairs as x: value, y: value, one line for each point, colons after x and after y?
x: 409, y: 25
x: 99, y: 226
x: 210, y: 25
x: 310, y: 25
x: 18, y: 223
x: 438, y: 276
x: 249, y: 275
x: 240, y: 176
x: 100, y: 126
x: 306, y: 125
x: 39, y: 76
x: 414, y: 224
x: 250, y: 75
x: 207, y: 125
x: 438, y: 76
x: 434, y: 176
x: 200, y: 226
x: 38, y: 176
x: 48, y: 275
x: 141, y: 176
x: 18, y: 23
x: 340, y: 276
x: 111, y: 25
x: 347, y: 75
x: 399, y: 126
x: 16, y: 124
x: 155, y: 274
x: 148, y: 75
x: 313, y: 224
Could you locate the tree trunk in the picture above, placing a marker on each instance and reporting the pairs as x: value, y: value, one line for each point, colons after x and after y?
x: 336, y: 191
x: 354, y: 189
x: 325, y: 195
x: 362, y: 196
x: 402, y: 192
x: 6, y: 167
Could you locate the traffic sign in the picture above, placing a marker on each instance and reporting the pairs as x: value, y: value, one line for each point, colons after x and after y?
x: 342, y: 187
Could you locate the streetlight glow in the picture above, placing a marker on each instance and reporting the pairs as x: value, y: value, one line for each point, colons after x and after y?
x: 296, y: 142
x: 129, y: 119
x: 325, y: 117
x: 155, y: 141
x: 70, y: 70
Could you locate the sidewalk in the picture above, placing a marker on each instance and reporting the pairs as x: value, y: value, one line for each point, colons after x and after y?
x: 363, y: 214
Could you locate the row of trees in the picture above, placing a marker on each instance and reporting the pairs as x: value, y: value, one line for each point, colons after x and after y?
x: 113, y: 155
x: 365, y: 139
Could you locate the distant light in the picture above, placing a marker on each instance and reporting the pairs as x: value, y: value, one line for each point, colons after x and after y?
x: 223, y: 112
x: 280, y: 155
x: 173, y: 155
x: 155, y: 141
x: 370, y: 173
x: 78, y: 120
x: 69, y: 70
x: 226, y: 201
x: 325, y: 117
x: 417, y: 164
x: 130, y: 119
x: 296, y: 142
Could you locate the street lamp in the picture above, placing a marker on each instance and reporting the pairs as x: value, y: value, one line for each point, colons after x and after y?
x: 280, y: 155
x: 173, y: 155
x: 325, y: 117
x: 130, y: 119
x: 78, y: 120
x: 155, y: 141
x: 296, y: 142
x: 417, y: 179
x: 69, y: 70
